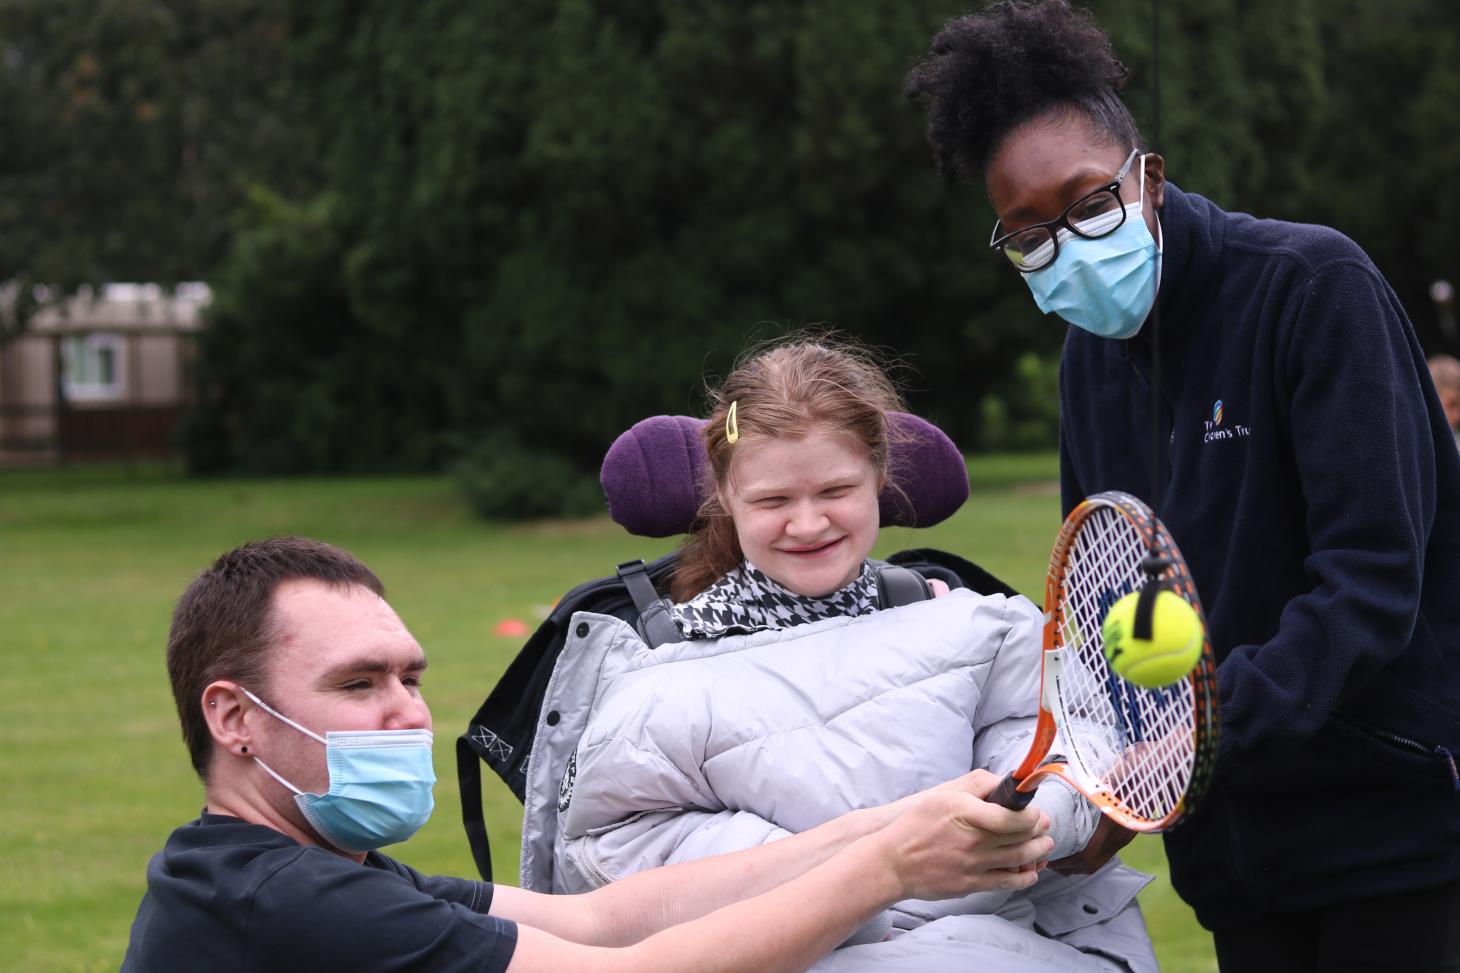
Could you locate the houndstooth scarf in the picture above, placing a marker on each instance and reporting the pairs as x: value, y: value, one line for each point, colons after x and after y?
x: 745, y: 600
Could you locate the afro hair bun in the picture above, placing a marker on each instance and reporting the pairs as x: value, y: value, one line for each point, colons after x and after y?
x: 989, y: 72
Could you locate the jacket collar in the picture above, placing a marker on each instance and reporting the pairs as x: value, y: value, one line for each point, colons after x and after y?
x: 1192, y: 231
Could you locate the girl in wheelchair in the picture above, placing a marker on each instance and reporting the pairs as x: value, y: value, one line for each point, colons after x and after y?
x: 791, y: 698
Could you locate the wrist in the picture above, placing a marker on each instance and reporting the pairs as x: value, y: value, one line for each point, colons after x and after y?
x: 841, y: 831
x: 880, y: 867
x: 867, y: 821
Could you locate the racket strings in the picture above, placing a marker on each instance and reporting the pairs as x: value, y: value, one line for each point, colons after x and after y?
x: 1133, y: 742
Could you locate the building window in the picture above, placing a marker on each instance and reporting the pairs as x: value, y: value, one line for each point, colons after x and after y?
x: 92, y: 367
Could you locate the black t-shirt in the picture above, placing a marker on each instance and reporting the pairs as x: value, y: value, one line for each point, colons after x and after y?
x: 224, y: 894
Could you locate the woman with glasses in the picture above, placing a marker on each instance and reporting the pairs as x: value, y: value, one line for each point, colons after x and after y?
x: 1303, y: 464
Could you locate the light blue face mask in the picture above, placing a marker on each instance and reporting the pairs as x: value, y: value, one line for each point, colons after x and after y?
x: 1107, y: 285
x: 380, y: 785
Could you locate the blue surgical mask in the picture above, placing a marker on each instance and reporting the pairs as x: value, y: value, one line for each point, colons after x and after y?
x: 1107, y: 285
x: 380, y: 785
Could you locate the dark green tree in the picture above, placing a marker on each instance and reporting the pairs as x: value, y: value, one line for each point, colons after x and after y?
x: 556, y: 216
x: 130, y: 130
x: 510, y: 230
x: 1387, y: 156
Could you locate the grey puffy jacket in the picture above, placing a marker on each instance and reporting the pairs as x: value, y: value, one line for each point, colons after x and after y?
x: 646, y: 757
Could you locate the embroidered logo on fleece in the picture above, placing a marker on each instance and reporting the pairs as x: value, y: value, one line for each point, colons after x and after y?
x: 1216, y: 432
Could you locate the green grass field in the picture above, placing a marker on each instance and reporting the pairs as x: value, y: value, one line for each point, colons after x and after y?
x: 96, y: 774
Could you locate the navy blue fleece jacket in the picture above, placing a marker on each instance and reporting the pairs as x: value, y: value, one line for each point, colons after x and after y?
x: 1314, y: 487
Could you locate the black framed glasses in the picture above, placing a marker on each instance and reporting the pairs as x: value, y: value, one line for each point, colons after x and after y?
x: 1093, y: 215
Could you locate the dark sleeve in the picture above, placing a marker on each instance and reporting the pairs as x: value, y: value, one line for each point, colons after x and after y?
x: 1362, y: 445
x: 322, y: 913
x: 475, y: 895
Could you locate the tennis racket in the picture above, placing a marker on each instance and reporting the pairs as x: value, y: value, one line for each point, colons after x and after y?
x: 1143, y: 756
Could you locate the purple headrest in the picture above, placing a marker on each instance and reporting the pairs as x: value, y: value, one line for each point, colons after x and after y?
x: 653, y: 474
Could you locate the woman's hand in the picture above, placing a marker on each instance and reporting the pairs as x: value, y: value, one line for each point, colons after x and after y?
x: 1108, y: 839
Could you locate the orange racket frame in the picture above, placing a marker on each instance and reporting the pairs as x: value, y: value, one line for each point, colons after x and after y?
x: 1154, y: 782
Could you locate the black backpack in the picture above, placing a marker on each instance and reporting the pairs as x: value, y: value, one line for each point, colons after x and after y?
x: 502, y: 732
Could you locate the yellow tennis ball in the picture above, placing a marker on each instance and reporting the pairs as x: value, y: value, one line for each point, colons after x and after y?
x: 1168, y: 655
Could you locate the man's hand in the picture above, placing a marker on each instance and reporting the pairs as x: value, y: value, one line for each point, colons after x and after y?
x: 948, y: 841
x: 1108, y: 839
x: 980, y: 783
x: 802, y: 894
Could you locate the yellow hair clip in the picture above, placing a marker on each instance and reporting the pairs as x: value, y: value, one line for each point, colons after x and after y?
x: 732, y: 428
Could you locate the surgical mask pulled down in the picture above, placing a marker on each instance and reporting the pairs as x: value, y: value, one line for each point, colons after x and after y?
x: 380, y: 785
x: 1107, y: 285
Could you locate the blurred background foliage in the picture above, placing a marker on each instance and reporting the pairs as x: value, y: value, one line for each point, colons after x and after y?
x: 489, y: 235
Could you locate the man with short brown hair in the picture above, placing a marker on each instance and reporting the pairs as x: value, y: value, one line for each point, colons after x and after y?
x: 221, y: 626
x: 299, y: 692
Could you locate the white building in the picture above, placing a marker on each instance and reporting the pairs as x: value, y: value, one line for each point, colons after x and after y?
x: 100, y: 374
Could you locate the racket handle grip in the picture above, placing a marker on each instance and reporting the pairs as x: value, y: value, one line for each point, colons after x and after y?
x: 1008, y: 795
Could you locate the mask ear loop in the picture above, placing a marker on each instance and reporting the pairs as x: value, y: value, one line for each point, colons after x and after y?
x: 272, y: 773
x: 280, y: 716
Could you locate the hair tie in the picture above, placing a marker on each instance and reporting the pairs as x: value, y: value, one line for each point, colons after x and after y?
x: 732, y: 427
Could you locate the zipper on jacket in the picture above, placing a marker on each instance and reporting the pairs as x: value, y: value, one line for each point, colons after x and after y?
x: 1449, y: 759
x: 1414, y: 746
x: 590, y: 866
x: 1400, y: 741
